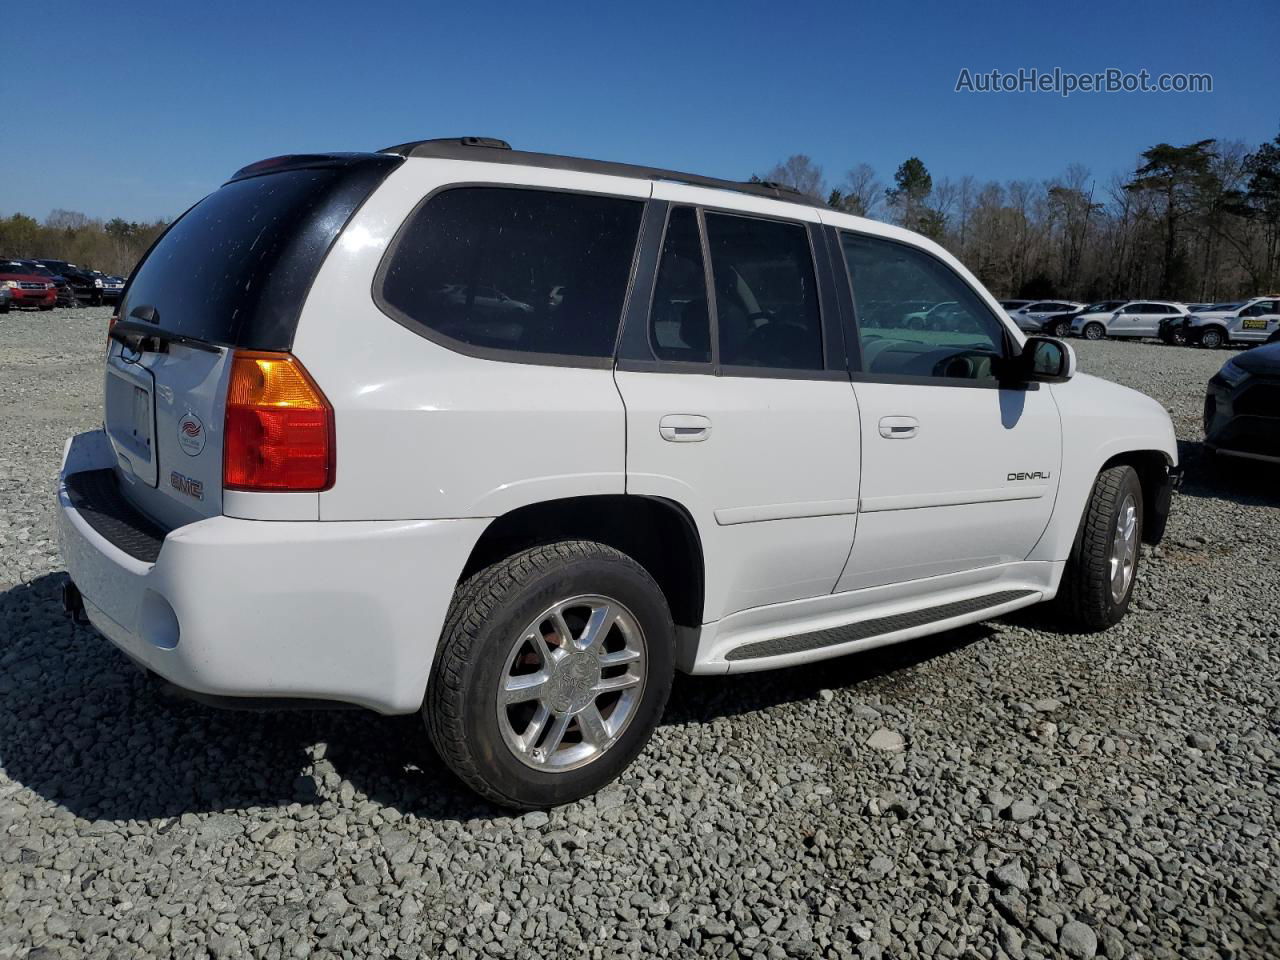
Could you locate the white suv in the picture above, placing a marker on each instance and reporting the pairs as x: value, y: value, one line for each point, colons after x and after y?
x: 1254, y: 321
x: 1137, y: 318
x: 335, y: 465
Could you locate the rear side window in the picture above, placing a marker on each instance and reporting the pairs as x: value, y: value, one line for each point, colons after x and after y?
x: 679, y: 325
x: 532, y: 271
x: 236, y: 268
x: 767, y: 312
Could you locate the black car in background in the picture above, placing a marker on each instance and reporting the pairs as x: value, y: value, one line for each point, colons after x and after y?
x: 1242, y: 406
x: 84, y: 284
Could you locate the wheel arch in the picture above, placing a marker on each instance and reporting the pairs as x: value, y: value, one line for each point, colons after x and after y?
x: 657, y: 533
x: 1152, y: 467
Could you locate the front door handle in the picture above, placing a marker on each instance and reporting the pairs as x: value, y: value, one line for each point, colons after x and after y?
x: 899, y: 428
x: 684, y: 427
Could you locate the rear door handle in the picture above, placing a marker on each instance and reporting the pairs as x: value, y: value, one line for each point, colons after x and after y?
x: 684, y: 427
x: 899, y: 428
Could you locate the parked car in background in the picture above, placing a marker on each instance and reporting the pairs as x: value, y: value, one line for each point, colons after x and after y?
x: 1136, y: 318
x: 26, y: 288
x: 1030, y: 318
x: 83, y: 283
x: 66, y: 296
x: 262, y: 491
x: 1059, y: 324
x: 6, y: 298
x: 1009, y: 305
x: 1253, y: 321
x: 1242, y: 406
x: 112, y: 288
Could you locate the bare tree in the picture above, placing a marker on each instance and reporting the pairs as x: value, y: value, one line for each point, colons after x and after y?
x: 800, y: 173
x: 861, y: 191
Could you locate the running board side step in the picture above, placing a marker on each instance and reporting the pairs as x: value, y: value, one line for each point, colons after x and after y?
x: 867, y: 629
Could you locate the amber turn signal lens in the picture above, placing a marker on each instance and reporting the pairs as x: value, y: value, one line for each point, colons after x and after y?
x: 279, y: 427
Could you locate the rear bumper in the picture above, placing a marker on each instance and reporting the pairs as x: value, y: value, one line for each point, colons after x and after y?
x: 346, y: 611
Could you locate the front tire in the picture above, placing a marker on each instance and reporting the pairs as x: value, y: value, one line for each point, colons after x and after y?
x: 1212, y: 338
x: 1097, y: 584
x: 552, y: 673
x: 1095, y: 331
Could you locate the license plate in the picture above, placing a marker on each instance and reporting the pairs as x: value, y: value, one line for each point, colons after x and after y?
x: 1254, y: 323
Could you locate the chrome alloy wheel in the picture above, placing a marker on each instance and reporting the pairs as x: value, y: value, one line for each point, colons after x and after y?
x: 572, y: 683
x: 1124, y: 549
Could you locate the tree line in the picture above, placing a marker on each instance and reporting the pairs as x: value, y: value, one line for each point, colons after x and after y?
x: 1197, y: 222
x: 113, y: 246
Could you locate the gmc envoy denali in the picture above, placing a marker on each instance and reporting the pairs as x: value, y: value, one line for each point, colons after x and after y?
x: 507, y: 438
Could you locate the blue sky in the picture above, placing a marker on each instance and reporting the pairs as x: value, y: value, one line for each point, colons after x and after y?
x: 138, y: 109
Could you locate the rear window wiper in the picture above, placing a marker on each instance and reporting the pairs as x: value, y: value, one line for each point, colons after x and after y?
x: 143, y: 337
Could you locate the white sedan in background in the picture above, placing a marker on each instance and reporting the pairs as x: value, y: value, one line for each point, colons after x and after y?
x: 1137, y: 318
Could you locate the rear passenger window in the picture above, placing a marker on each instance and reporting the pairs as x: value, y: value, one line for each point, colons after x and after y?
x: 533, y: 271
x: 766, y: 296
x: 679, y: 326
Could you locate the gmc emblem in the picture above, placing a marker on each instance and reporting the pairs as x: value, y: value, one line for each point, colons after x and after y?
x: 187, y: 486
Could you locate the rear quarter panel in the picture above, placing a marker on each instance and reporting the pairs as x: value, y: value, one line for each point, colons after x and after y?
x: 424, y: 432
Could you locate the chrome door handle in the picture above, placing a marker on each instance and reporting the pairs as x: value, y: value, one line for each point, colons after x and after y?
x: 899, y: 428
x: 684, y: 428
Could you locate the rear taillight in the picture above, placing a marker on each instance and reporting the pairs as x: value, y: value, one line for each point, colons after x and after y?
x: 279, y: 426
x: 111, y: 325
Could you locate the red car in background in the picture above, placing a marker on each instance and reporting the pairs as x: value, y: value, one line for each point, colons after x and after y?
x: 27, y: 289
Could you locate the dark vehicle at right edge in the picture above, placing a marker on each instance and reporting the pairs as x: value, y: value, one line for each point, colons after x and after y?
x: 1242, y: 406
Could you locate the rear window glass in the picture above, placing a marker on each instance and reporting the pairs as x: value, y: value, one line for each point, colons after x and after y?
x: 533, y: 271
x: 236, y: 267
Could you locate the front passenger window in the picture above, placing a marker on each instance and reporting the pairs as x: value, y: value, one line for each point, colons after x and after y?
x: 916, y: 317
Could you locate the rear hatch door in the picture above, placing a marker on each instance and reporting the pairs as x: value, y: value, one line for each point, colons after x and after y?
x: 231, y: 273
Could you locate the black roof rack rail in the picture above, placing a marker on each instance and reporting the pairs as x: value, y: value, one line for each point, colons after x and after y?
x: 493, y: 150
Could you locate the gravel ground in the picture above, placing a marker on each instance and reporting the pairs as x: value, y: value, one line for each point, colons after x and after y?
x: 1002, y: 790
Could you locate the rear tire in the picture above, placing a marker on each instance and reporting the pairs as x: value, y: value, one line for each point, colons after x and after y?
x: 1095, y: 331
x: 506, y: 628
x: 1061, y: 329
x: 1097, y: 584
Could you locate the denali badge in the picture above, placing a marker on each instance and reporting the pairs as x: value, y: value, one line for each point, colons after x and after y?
x: 191, y: 435
x: 1034, y: 475
x: 192, y: 488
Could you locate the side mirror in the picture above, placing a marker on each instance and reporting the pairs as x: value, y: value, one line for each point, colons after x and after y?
x: 1048, y: 360
x: 1042, y: 360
